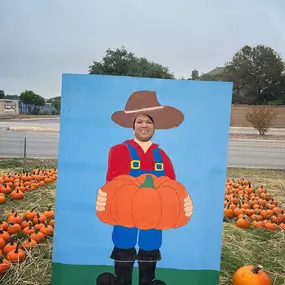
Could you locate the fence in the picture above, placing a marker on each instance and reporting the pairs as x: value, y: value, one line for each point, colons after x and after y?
x: 238, y: 114
x: 29, y: 145
x: 241, y: 153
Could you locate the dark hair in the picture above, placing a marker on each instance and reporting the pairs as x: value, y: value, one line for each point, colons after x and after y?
x: 145, y: 115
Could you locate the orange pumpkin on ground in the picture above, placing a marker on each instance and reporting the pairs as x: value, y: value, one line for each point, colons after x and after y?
x: 145, y: 202
x: 4, y: 266
x: 47, y: 230
x: 51, y: 223
x: 49, y: 213
x: 3, y: 199
x: 28, y: 230
x: 38, y: 236
x: 16, y: 219
x: 14, y: 229
x: 17, y: 195
x: 16, y: 255
x: 30, y: 214
x: 243, y: 223
x: 29, y: 243
x: 251, y: 275
x: 2, y: 243
x: 10, y: 246
x: 4, y: 225
x: 4, y: 235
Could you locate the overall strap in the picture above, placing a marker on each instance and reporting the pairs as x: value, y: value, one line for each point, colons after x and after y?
x: 135, y: 159
x: 158, y: 163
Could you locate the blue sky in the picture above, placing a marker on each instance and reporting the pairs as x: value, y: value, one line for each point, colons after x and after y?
x: 40, y: 40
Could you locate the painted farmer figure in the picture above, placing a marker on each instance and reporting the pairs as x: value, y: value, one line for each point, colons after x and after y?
x: 134, y: 157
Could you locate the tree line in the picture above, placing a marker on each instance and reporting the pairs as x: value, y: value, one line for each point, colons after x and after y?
x: 257, y: 73
x: 33, y: 100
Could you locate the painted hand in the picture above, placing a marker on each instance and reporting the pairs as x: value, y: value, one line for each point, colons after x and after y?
x: 188, y: 206
x: 101, y: 201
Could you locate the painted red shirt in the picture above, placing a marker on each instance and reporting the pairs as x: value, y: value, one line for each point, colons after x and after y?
x: 119, y: 160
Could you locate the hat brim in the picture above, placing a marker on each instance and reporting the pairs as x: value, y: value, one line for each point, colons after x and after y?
x: 164, y: 118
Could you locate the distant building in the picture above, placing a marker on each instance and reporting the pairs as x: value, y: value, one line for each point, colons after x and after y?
x: 26, y: 108
x: 9, y: 107
x: 195, y: 74
x: 220, y: 70
x: 216, y: 71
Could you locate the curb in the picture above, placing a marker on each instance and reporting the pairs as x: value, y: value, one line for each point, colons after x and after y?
x: 257, y: 140
x: 32, y: 129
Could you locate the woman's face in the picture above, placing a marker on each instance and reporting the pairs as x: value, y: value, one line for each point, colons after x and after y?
x: 144, y: 128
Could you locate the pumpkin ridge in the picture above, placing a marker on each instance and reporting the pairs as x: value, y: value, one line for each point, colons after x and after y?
x: 159, y: 178
x: 179, y: 209
x: 110, y: 204
x: 178, y: 203
x: 148, y: 184
x: 161, y: 209
x: 181, y: 201
x: 128, y: 178
x: 111, y: 214
x: 153, y: 186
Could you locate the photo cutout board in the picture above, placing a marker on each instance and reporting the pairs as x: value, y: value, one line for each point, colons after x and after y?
x: 141, y: 175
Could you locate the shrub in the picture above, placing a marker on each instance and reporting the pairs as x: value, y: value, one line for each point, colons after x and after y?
x: 45, y: 113
x: 261, y: 119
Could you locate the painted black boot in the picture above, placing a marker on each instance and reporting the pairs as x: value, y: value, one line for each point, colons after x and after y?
x: 147, y: 266
x: 123, y: 275
x: 147, y: 274
x: 123, y: 268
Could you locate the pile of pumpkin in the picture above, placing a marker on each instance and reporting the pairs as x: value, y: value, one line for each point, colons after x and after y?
x: 17, y: 184
x: 21, y: 233
x: 249, y: 206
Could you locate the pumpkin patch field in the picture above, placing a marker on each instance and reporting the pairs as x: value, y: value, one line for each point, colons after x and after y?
x: 252, y: 235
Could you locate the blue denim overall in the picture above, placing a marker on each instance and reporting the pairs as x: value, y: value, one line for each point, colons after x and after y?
x: 125, y: 238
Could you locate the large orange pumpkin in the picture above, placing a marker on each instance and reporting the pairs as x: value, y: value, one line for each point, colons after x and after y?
x: 145, y: 202
x: 251, y: 275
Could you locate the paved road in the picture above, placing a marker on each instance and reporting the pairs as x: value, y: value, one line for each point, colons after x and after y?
x: 54, y: 123
x: 242, y: 153
x: 4, y: 124
x: 256, y: 154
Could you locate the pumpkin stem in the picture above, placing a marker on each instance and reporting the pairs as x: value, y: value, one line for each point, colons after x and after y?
x: 17, y: 247
x: 256, y: 269
x: 148, y: 183
x: 12, y: 240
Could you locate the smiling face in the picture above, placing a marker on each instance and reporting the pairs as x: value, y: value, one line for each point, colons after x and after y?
x: 143, y: 128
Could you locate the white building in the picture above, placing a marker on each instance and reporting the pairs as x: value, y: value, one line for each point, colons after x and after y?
x: 9, y: 107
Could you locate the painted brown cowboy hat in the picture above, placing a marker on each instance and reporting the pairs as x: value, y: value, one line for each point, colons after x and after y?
x: 145, y: 102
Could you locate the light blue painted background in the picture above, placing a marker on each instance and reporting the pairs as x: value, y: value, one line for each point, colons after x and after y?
x: 198, y: 149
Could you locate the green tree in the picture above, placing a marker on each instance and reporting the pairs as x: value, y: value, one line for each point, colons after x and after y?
x: 257, y: 71
x: 30, y: 98
x: 56, y: 102
x: 120, y: 62
x: 2, y: 94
